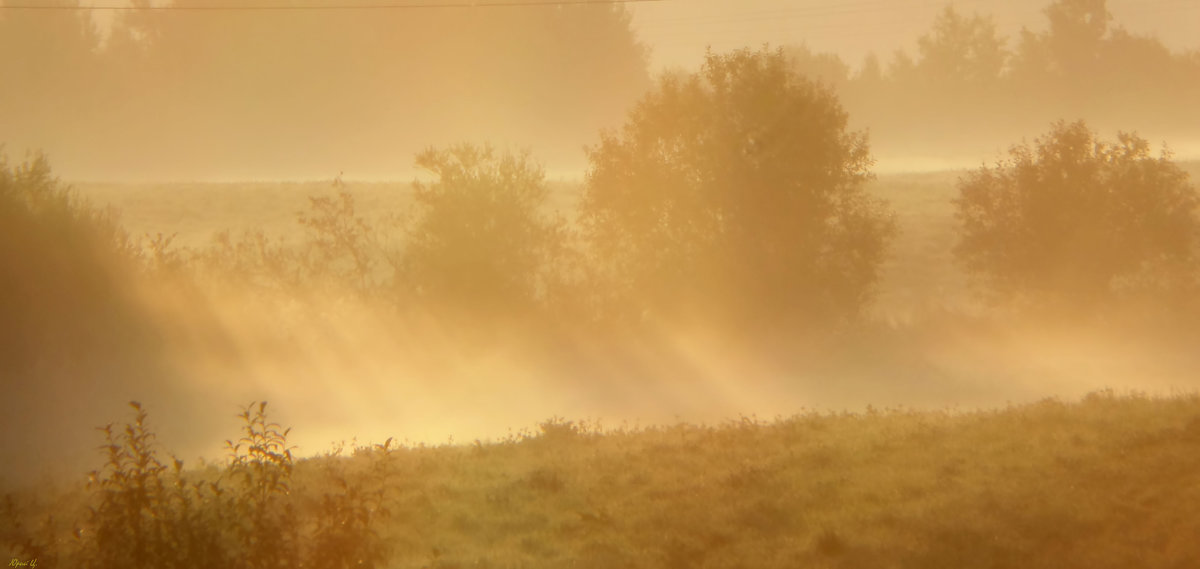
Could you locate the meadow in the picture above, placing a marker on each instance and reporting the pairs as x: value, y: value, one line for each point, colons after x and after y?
x: 733, y: 348
x: 1107, y: 481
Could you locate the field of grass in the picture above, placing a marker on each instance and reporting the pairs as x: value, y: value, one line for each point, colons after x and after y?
x: 1108, y: 481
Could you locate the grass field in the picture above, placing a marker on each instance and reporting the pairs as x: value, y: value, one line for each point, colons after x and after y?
x: 1109, y: 481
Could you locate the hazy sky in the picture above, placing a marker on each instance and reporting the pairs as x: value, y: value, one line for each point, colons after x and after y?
x: 679, y: 30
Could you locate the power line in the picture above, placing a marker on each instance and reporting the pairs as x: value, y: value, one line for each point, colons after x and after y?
x: 381, y: 6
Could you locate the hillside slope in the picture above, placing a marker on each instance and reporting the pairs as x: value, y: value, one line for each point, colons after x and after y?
x: 1110, y: 481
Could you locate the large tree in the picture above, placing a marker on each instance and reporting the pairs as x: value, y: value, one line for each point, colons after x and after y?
x: 1073, y: 218
x: 735, y: 193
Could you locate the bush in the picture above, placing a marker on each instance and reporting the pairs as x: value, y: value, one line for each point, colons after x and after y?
x: 479, y: 240
x: 144, y: 513
x: 1073, y: 219
x: 340, y: 242
x: 735, y: 193
x: 64, y: 293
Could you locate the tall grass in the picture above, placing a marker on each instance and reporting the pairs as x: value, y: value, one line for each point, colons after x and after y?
x: 1104, y: 482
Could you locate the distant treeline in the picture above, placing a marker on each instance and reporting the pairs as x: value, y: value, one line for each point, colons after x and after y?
x: 967, y: 87
x: 305, y: 94
x: 294, y: 93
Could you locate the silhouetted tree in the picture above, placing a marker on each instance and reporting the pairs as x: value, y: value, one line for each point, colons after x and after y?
x: 1075, y: 218
x: 961, y: 50
x: 479, y: 240
x: 871, y: 71
x: 1086, y: 65
x: 343, y: 81
x: 825, y: 68
x: 1078, y: 28
x: 736, y: 193
x: 1069, y: 52
x: 341, y: 243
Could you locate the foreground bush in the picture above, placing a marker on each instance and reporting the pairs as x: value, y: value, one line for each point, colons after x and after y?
x: 144, y: 510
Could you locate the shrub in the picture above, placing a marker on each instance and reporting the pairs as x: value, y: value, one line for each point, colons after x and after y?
x: 145, y: 513
x: 1079, y: 220
x: 264, y: 519
x: 479, y: 240
x: 63, y: 291
x: 347, y: 516
x: 340, y: 242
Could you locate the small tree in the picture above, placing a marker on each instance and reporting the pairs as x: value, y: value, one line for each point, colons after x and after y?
x: 341, y: 243
x: 479, y: 240
x: 1075, y: 218
x: 735, y: 193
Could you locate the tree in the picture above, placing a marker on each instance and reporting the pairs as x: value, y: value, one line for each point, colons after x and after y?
x: 65, y: 294
x: 340, y: 242
x: 962, y: 50
x: 1071, y: 48
x: 825, y: 68
x: 871, y: 71
x: 479, y: 241
x: 1079, y: 219
x: 1077, y: 31
x: 735, y: 193
x: 546, y: 76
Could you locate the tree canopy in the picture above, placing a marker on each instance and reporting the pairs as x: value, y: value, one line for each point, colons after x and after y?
x: 735, y: 193
x: 961, y: 49
x: 479, y: 240
x: 1075, y: 218
x: 61, y: 291
x: 300, y: 93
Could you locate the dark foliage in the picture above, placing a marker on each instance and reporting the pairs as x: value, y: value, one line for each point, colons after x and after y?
x: 63, y: 298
